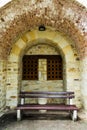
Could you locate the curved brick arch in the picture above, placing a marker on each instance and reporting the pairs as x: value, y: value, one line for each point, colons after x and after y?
x: 49, y: 37
x: 63, y: 15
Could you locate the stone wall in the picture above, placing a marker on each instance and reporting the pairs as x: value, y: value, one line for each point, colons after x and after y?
x: 42, y: 70
x: 42, y: 49
x: 2, y: 85
x: 12, y: 83
x: 56, y: 85
x: 84, y: 83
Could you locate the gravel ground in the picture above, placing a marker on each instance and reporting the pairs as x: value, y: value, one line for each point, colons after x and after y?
x: 40, y: 122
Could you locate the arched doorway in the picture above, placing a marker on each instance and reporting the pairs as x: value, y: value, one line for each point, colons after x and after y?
x: 54, y: 41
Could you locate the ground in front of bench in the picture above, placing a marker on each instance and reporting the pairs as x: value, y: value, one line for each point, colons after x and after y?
x: 45, y: 115
x: 9, y: 122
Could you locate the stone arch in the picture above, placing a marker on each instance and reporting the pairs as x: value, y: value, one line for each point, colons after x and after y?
x: 54, y: 39
x: 66, y: 16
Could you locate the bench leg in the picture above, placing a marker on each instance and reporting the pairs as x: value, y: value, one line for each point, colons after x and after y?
x: 22, y: 101
x: 42, y: 101
x: 74, y: 115
x: 18, y: 115
x: 71, y: 102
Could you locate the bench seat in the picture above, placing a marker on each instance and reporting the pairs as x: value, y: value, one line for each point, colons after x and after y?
x: 47, y: 107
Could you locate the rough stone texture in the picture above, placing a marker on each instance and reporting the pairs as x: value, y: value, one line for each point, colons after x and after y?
x: 42, y: 70
x: 84, y: 82
x: 42, y: 49
x: 64, y: 15
x: 56, y: 85
x: 2, y: 85
x: 12, y: 83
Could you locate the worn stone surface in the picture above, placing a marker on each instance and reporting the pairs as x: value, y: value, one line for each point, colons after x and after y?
x: 41, y: 122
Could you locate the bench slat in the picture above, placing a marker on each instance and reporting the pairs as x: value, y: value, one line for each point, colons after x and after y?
x: 46, y: 92
x: 44, y: 96
x: 46, y: 107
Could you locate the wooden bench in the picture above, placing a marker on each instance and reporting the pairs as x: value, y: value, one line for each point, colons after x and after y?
x: 72, y: 109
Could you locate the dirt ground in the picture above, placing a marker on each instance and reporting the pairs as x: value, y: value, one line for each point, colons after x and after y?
x: 41, y: 122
